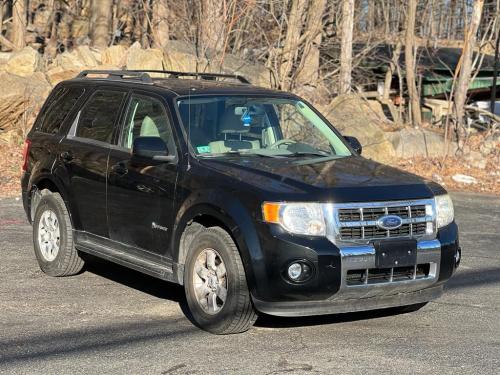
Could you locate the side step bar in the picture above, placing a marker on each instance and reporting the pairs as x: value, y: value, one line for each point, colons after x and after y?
x: 162, y: 271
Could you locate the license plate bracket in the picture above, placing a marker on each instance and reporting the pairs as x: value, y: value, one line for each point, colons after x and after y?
x: 395, y: 253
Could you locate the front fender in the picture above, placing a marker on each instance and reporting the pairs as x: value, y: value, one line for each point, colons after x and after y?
x: 236, y: 218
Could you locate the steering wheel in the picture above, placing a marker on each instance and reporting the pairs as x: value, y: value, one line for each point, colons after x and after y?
x: 282, y: 142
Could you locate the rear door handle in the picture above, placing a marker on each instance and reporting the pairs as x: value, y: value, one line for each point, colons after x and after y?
x: 66, y: 156
x: 119, y: 168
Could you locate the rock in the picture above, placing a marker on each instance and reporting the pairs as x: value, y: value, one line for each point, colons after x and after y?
x: 115, y: 56
x: 410, y: 142
x: 352, y: 117
x: 488, y: 146
x: 57, y: 74
x: 476, y: 160
x: 437, y: 178
x: 180, y: 56
x: 86, y: 56
x: 69, y: 61
x: 24, y: 62
x: 464, y: 179
x: 138, y: 58
x: 20, y: 104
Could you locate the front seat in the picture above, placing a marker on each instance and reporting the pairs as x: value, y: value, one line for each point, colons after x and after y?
x: 232, y: 130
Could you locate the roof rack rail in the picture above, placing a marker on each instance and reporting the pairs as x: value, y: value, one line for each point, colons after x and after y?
x: 118, y: 75
x: 206, y: 76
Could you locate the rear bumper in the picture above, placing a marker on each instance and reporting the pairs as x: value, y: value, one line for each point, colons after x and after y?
x: 337, y: 306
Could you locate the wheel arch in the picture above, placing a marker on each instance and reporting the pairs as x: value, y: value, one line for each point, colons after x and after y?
x: 228, y: 213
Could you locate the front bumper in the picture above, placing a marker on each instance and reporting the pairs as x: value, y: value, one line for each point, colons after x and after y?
x: 338, y: 306
x: 332, y: 290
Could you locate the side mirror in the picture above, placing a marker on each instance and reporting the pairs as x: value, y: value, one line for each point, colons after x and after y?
x: 355, y: 144
x: 152, y: 148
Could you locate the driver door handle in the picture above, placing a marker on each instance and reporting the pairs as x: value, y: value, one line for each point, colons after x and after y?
x: 119, y: 168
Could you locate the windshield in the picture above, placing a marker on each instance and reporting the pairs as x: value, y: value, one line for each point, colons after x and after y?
x: 274, y: 127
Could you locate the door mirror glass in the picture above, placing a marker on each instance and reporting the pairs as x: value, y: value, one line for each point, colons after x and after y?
x: 355, y: 144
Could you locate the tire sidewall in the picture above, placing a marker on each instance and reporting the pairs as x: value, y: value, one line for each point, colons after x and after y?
x: 49, y: 202
x: 219, y: 321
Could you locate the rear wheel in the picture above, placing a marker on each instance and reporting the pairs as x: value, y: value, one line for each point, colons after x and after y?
x: 53, y: 237
x: 215, y: 284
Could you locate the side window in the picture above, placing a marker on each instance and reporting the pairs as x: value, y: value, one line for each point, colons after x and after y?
x: 60, y: 107
x: 99, y: 115
x: 146, y: 117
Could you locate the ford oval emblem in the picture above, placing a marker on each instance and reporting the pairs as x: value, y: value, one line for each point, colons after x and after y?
x: 389, y: 222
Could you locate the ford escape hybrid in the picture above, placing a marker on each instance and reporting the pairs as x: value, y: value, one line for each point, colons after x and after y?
x: 246, y: 196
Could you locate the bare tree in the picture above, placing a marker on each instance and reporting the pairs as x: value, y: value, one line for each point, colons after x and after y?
x: 19, y: 23
x: 212, y: 25
x: 101, y: 14
x: 465, y: 65
x: 160, y: 23
x: 308, y: 71
x: 410, y: 63
x: 346, y: 46
x: 289, y: 52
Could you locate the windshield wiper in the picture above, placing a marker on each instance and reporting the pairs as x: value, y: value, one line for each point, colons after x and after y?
x: 307, y: 153
x: 240, y: 153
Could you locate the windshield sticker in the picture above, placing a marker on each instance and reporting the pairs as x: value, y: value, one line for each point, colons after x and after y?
x: 203, y: 149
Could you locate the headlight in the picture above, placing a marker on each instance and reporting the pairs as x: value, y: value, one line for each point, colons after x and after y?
x: 444, y: 210
x: 297, y: 218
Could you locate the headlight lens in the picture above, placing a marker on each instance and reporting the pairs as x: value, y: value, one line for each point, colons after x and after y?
x: 444, y: 210
x: 297, y: 218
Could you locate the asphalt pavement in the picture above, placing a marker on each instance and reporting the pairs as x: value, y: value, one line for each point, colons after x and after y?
x: 113, y: 320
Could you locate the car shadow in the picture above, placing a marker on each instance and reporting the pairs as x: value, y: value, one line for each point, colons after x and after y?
x: 173, y: 292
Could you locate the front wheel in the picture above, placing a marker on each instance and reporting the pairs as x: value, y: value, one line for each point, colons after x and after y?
x: 215, y: 284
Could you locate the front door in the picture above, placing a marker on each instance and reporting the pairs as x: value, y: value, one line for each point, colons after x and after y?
x: 140, y: 190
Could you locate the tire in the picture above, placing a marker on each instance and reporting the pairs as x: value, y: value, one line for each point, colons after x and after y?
x: 234, y: 315
x: 63, y: 260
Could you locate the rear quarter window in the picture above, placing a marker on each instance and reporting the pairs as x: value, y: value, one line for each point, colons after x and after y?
x: 58, y: 109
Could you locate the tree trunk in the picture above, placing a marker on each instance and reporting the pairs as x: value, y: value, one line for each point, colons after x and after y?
x: 212, y: 26
x: 160, y: 23
x: 292, y: 40
x: 410, y: 63
x: 346, y: 47
x: 18, y: 23
x: 466, y: 64
x: 390, y: 71
x: 309, y: 69
x: 101, y: 15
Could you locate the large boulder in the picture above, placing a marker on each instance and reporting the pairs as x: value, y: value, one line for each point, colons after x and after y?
x: 180, y: 56
x: 353, y: 116
x: 20, y: 104
x: 24, y: 62
x: 115, y: 56
x: 146, y: 59
x: 410, y: 142
x: 69, y: 61
x: 87, y: 56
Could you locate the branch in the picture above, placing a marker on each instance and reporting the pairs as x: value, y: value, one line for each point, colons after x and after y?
x: 7, y: 43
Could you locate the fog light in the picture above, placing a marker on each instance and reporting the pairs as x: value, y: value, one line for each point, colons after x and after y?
x: 295, y: 271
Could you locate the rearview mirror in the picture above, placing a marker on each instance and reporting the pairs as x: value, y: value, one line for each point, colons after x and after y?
x: 151, y: 147
x: 355, y: 144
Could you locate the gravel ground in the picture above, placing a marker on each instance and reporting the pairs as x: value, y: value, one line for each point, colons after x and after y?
x: 113, y: 320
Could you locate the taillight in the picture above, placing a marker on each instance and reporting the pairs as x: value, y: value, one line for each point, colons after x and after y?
x: 26, y: 151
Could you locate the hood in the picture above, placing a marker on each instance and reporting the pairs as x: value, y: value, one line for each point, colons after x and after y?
x: 349, y: 179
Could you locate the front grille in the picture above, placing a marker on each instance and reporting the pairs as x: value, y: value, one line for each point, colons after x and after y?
x: 386, y: 275
x: 359, y: 221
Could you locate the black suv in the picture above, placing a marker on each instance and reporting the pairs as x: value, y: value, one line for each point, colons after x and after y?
x: 246, y: 196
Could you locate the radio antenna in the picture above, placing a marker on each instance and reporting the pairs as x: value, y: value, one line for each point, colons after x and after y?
x: 189, y: 129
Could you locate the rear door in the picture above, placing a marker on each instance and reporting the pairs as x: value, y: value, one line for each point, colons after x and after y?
x: 85, y: 152
x: 141, y: 191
